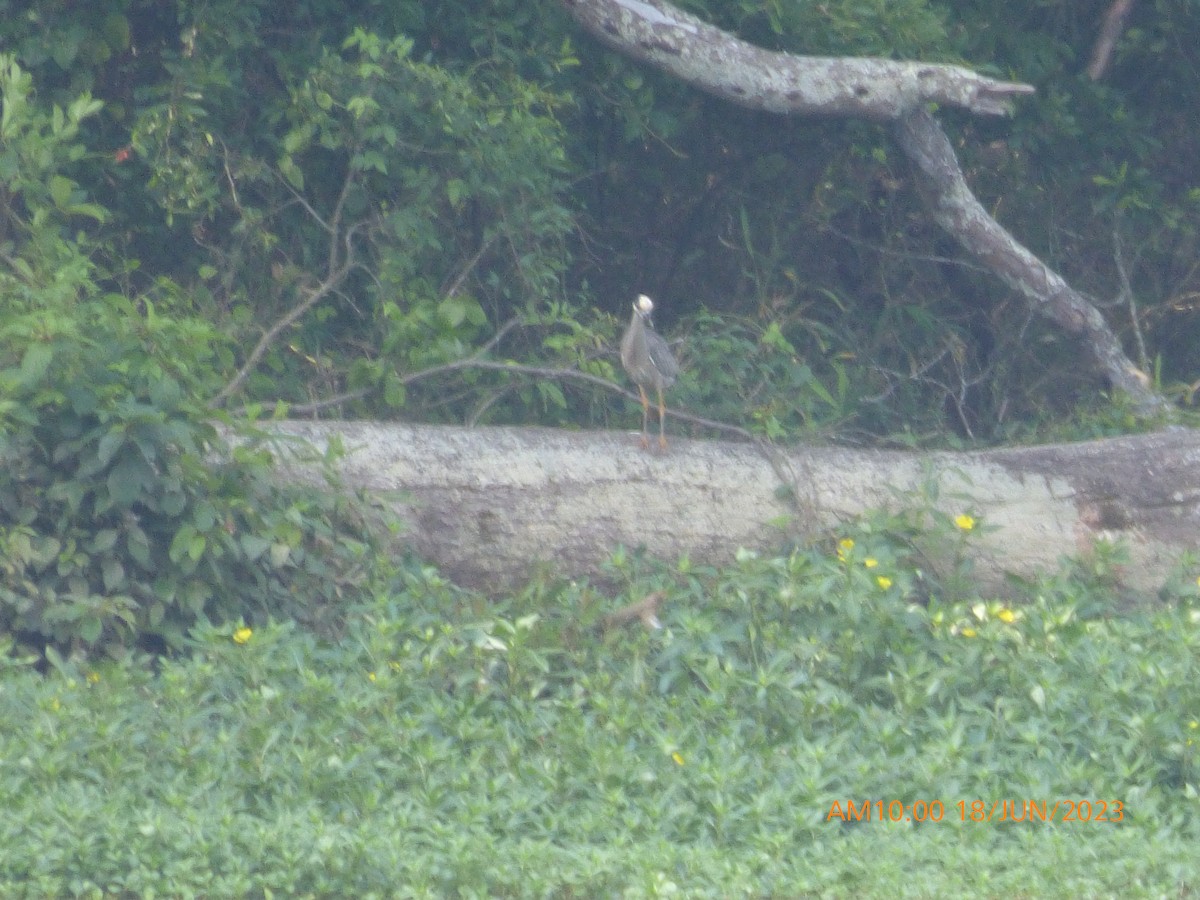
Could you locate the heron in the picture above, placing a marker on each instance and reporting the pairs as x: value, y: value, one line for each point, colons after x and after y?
x: 649, y: 362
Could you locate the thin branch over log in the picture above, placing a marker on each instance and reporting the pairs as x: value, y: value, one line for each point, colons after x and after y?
x: 338, y: 267
x: 715, y: 61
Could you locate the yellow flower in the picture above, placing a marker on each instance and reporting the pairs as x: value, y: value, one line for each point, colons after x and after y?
x: 968, y: 632
x: 93, y: 677
x: 883, y: 581
x: 965, y: 522
x: 678, y: 757
x: 1007, y: 616
x: 242, y: 635
x: 370, y: 676
x: 845, y: 545
x: 870, y: 562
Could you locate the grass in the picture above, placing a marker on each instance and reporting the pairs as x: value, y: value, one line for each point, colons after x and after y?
x: 444, y: 744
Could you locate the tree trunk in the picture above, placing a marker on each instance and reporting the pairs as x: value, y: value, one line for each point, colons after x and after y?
x: 489, y: 505
x: 717, y: 62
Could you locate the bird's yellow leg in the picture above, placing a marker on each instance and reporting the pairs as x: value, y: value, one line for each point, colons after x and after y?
x: 662, y: 421
x: 645, y: 415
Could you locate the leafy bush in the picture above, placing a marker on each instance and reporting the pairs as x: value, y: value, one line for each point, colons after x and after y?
x: 390, y: 214
x: 119, y: 520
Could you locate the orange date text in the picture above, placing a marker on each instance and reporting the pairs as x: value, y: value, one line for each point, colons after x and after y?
x: 976, y: 811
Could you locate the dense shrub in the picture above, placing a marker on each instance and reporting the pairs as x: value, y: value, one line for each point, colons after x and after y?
x: 123, y: 515
x: 454, y: 744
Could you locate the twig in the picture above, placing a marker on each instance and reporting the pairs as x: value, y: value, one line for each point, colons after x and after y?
x: 779, y: 462
x: 905, y: 254
x: 233, y: 192
x: 1110, y: 32
x: 318, y: 293
x: 337, y: 268
x: 1126, y: 295
x: 453, y: 288
x: 307, y: 409
x: 644, y: 611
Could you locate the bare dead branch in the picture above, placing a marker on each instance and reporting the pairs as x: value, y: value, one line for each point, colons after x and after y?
x: 488, y: 504
x: 1111, y: 30
x: 315, y: 296
x: 233, y: 191
x: 1126, y: 297
x: 884, y: 90
x: 308, y: 208
x: 955, y: 208
x: 456, y: 282
x: 315, y: 406
x: 339, y: 264
x: 715, y: 61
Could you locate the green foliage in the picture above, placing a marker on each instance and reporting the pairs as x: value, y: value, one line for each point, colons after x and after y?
x: 119, y: 521
x: 492, y: 164
x: 425, y: 200
x: 742, y: 371
x: 908, y: 29
x: 458, y: 744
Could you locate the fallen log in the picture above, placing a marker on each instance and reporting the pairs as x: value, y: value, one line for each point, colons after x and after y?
x: 489, y: 505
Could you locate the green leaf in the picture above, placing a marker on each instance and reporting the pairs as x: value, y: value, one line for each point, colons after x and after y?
x: 395, y: 393
x: 60, y: 190
x: 45, y: 551
x: 138, y: 546
x: 113, y: 573
x: 127, y: 479
x: 1038, y: 695
x: 181, y: 542
x: 34, y: 363
x: 172, y: 503
x: 196, y: 547
x: 552, y: 394
x: 55, y: 659
x: 91, y: 210
x: 453, y: 311
x: 112, y: 441
x: 90, y: 629
x: 103, y: 540
x: 370, y: 159
x: 292, y: 172
x: 253, y: 545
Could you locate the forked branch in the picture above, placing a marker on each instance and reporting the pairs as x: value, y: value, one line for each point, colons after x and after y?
x: 884, y: 90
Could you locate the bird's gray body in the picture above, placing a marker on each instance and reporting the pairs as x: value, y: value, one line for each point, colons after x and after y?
x: 648, y: 360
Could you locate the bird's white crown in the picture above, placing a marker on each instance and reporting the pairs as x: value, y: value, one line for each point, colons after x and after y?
x: 644, y: 305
